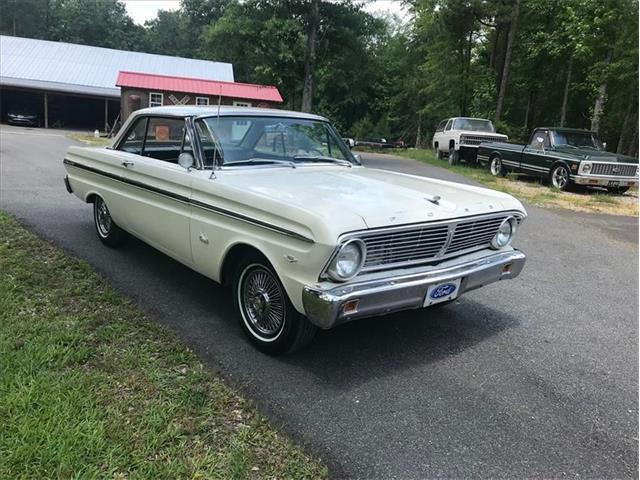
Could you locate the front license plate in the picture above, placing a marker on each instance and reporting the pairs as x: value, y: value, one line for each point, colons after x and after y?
x: 613, y: 183
x: 442, y: 292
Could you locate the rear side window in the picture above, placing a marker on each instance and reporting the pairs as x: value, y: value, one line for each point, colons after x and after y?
x: 135, y: 137
x: 164, y: 138
x: 441, y: 126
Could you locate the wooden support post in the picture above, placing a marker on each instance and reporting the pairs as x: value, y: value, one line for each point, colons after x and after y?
x: 106, y: 115
x: 46, y: 110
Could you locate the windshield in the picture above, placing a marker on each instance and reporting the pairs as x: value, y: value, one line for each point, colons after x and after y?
x: 473, y: 124
x: 243, y: 140
x: 577, y: 139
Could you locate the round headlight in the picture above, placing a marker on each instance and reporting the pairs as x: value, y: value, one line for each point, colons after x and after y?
x: 586, y: 168
x: 348, y: 261
x: 505, y: 233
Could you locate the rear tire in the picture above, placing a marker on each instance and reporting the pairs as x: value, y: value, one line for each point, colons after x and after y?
x: 265, y: 312
x: 454, y: 156
x: 496, y: 167
x: 108, y: 231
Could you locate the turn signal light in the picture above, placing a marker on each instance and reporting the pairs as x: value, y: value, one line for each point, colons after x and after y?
x: 350, y: 307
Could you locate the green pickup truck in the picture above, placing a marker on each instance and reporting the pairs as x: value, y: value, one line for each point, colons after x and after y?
x: 567, y: 156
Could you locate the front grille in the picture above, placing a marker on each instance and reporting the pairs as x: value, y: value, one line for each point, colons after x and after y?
x: 616, y: 169
x: 429, y: 242
x: 478, y: 139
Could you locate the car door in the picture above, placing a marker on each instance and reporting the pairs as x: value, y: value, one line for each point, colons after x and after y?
x: 536, y: 157
x: 446, y: 136
x: 158, y: 207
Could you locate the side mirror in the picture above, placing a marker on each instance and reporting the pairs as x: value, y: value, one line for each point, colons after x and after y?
x: 185, y: 160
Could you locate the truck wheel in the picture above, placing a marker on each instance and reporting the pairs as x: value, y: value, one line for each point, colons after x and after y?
x: 108, y: 231
x: 617, y: 190
x: 454, y: 156
x: 266, y: 313
x: 496, y: 168
x: 560, y: 177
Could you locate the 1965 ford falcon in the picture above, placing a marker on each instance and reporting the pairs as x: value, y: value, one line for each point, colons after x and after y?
x: 274, y: 204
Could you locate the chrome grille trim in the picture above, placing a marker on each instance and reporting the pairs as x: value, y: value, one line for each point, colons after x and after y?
x: 432, y: 242
x: 614, y: 169
x: 478, y: 139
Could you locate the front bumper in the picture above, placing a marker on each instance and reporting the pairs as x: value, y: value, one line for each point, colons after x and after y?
x: 325, y: 306
x: 605, y: 180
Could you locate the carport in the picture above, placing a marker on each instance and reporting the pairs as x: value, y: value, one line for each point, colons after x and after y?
x: 74, y: 86
x: 60, y: 109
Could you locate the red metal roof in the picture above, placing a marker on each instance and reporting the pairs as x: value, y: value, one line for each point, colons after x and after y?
x: 150, y: 81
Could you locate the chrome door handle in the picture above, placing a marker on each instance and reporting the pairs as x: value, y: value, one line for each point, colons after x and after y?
x: 127, y: 163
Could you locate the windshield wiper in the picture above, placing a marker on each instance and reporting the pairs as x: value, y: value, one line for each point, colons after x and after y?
x: 261, y: 161
x: 323, y: 159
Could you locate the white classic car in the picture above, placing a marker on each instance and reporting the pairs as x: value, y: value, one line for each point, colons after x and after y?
x: 459, y: 138
x: 274, y: 204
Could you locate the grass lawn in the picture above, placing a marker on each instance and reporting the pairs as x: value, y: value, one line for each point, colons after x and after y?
x: 534, y: 192
x: 90, y: 388
x: 89, y: 139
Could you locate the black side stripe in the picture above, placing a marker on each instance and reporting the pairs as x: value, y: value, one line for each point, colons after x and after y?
x: 195, y: 203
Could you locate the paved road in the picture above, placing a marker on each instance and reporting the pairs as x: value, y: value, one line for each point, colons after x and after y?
x: 535, y: 377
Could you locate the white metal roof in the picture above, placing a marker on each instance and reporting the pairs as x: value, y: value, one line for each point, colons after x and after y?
x: 67, y: 67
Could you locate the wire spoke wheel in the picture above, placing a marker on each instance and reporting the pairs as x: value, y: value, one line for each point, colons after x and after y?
x: 102, y: 217
x: 262, y: 302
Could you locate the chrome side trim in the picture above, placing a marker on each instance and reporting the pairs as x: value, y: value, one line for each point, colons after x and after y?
x: 195, y: 203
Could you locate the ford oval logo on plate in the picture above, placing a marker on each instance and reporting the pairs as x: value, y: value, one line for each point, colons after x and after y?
x: 442, y: 292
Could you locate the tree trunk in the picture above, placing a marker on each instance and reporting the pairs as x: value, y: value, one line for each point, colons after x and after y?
x: 598, y: 107
x: 565, y: 98
x: 467, y: 70
x: 310, y: 57
x: 526, y: 113
x: 507, y: 59
x: 625, y: 126
x: 419, y: 132
x: 633, y: 146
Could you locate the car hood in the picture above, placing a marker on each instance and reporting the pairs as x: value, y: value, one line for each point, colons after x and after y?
x: 482, y: 134
x: 595, y: 155
x: 356, y: 198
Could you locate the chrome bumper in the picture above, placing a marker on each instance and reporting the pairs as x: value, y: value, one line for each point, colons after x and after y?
x: 324, y: 306
x: 605, y: 181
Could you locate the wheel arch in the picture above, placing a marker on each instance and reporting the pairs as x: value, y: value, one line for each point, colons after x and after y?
x: 233, y: 255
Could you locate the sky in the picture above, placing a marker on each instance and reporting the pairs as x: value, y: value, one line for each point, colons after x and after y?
x: 143, y: 10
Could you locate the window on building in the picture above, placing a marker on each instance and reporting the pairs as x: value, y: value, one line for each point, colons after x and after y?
x: 202, y: 100
x: 156, y: 99
x: 241, y: 104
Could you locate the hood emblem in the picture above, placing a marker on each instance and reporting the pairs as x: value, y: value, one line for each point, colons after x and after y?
x: 435, y: 199
x: 615, y: 169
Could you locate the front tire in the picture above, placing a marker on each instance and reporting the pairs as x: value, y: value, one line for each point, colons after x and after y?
x: 560, y: 177
x: 266, y: 314
x: 108, y: 231
x: 454, y: 156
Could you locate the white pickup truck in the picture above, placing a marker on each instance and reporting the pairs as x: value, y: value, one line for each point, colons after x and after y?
x: 459, y: 138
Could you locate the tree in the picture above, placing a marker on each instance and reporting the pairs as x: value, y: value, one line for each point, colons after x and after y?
x: 513, y: 27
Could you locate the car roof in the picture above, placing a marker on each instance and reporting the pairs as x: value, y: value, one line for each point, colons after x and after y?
x: 224, y: 110
x: 471, y: 118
